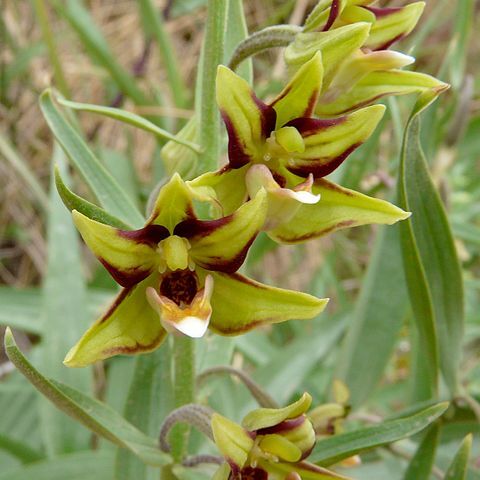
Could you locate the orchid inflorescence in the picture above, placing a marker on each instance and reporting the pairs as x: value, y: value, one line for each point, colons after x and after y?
x: 178, y: 272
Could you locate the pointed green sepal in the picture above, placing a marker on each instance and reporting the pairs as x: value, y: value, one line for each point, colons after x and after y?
x: 232, y: 440
x: 376, y: 85
x: 268, y: 417
x: 240, y: 304
x: 392, y: 24
x: 128, y: 255
x: 338, y: 208
x: 248, y: 120
x: 299, y: 97
x: 129, y: 327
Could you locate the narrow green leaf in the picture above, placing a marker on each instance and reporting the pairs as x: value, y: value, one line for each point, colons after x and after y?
x: 74, y: 202
x: 22, y: 452
x: 338, y: 447
x: 105, y: 188
x: 458, y: 468
x: 8, y: 151
x: 376, y: 320
x: 64, y: 319
x: 422, y: 462
x: 432, y: 268
x: 92, y: 38
x: 148, y: 401
x: 91, y: 413
x: 131, y: 119
x: 75, y: 466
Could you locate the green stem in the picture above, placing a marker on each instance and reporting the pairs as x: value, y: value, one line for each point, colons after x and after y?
x: 212, y: 56
x: 49, y: 39
x: 183, y: 390
x: 154, y: 26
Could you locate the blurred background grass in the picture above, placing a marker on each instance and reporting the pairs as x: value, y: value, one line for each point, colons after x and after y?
x: 109, y: 56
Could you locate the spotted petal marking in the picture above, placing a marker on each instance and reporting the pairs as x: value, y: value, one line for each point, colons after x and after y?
x: 129, y: 256
x: 129, y: 327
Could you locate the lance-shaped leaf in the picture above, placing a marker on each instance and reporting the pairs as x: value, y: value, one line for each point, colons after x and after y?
x: 129, y: 255
x: 392, y: 24
x: 130, y: 326
x: 240, y: 304
x: 335, y: 46
x: 459, y: 466
x: 247, y: 119
x: 338, y: 208
x: 376, y: 85
x: 327, y: 143
x: 223, y: 244
x: 267, y: 417
x: 91, y: 413
x: 299, y: 97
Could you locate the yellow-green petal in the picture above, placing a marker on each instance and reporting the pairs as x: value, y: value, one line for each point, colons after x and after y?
x: 281, y: 447
x: 248, y: 120
x: 129, y: 327
x: 338, y: 208
x: 240, y: 304
x: 299, y: 97
x: 268, y: 417
x: 129, y: 256
x: 231, y: 439
x: 222, y: 244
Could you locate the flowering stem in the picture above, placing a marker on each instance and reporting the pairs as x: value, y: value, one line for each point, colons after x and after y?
x: 183, y: 390
x: 212, y: 56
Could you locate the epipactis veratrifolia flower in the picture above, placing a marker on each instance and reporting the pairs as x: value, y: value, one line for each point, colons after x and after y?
x: 271, y: 443
x: 178, y: 274
x: 353, y: 38
x: 281, y: 148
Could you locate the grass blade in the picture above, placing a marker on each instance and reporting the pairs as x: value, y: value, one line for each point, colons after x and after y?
x: 19, y: 450
x: 338, y: 447
x: 422, y: 462
x: 105, y: 188
x: 91, y: 413
x: 458, y: 468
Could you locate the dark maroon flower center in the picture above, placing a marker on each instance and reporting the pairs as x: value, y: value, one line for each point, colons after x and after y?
x: 250, y: 473
x: 180, y: 286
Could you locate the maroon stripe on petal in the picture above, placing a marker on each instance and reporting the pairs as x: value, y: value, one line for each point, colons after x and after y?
x: 310, y: 126
x: 388, y: 44
x: 118, y: 300
x: 284, y: 426
x: 268, y: 116
x: 319, y: 169
x: 237, y: 156
x: 148, y: 235
x: 199, y: 228
x: 126, y: 278
x: 383, y: 12
x: 334, y: 11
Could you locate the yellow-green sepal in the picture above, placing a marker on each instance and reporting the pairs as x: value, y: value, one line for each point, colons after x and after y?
x: 240, y: 304
x: 338, y: 208
x: 280, y: 447
x: 222, y: 244
x: 127, y: 255
x: 335, y: 46
x: 129, y: 327
x: 173, y: 204
x: 322, y: 17
x: 247, y: 119
x: 392, y: 24
x: 299, y: 97
x: 268, y: 417
x: 376, y: 85
x: 231, y: 439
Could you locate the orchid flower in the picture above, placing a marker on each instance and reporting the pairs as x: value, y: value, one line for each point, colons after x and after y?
x: 271, y: 443
x: 353, y: 38
x: 281, y: 148
x: 178, y: 275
